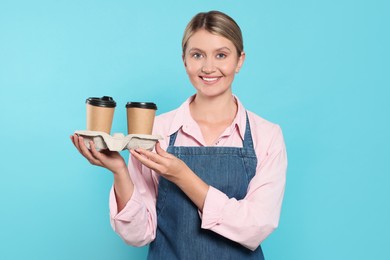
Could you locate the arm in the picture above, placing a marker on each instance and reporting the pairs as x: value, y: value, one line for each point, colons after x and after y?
x: 250, y: 220
x: 113, y: 162
x: 132, y: 199
x: 176, y: 171
x: 136, y: 223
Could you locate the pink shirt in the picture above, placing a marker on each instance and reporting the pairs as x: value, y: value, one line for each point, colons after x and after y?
x: 248, y: 221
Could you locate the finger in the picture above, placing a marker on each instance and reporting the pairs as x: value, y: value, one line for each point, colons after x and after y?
x: 86, y: 152
x: 152, y: 156
x: 98, y: 155
x: 161, y: 151
x: 73, y: 142
x: 83, y: 148
x: 71, y: 138
x: 95, y: 155
x: 76, y: 142
x: 145, y: 161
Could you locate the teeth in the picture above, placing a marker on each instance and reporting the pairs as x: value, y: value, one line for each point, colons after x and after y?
x: 210, y: 79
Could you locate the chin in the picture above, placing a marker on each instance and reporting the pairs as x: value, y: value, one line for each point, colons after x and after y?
x: 212, y: 93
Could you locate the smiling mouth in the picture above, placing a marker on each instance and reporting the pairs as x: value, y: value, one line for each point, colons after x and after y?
x: 210, y: 79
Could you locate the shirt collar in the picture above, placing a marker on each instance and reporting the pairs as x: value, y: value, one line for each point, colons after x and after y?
x: 240, y: 119
x: 183, y: 118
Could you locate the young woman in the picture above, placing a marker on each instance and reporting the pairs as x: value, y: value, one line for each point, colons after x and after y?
x: 213, y: 188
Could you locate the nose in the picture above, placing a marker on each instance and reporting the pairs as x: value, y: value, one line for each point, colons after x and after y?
x: 208, y: 66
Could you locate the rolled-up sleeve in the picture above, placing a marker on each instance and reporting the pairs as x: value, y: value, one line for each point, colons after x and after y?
x: 250, y: 220
x: 136, y: 223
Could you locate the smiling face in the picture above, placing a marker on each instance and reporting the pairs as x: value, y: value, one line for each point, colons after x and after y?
x: 211, y: 62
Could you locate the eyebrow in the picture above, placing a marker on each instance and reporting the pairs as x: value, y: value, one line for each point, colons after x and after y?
x: 217, y: 50
x: 195, y: 49
x: 224, y: 48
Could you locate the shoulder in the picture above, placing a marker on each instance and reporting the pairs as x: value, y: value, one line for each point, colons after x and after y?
x: 259, y: 124
x: 266, y: 134
x: 163, y: 121
x: 169, y: 122
x: 163, y: 125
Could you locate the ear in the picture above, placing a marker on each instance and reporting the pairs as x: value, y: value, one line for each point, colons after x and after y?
x: 184, y: 60
x: 241, y: 60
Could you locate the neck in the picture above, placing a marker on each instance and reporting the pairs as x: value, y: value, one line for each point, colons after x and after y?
x: 213, y: 109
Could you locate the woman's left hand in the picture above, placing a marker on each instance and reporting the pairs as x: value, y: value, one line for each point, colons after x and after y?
x: 176, y: 171
x: 162, y: 162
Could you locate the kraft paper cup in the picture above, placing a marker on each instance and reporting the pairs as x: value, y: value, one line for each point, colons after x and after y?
x: 140, y: 117
x: 100, y: 113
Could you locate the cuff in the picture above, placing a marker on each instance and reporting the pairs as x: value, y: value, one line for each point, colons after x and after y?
x: 212, y: 209
x: 131, y: 208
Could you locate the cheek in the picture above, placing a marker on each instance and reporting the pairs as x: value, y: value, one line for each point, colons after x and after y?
x: 228, y: 69
x: 191, y: 70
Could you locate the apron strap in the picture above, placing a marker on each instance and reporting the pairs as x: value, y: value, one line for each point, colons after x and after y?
x: 172, y: 138
x: 247, y: 142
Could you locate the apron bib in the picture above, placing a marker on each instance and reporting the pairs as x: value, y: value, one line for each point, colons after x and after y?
x: 179, y: 233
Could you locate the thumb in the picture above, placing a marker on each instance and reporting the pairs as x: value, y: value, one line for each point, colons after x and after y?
x: 161, y: 151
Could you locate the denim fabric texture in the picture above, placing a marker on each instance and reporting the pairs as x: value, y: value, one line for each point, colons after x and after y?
x: 179, y: 233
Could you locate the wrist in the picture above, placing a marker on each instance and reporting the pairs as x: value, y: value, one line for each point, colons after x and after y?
x: 120, y: 172
x: 194, y: 187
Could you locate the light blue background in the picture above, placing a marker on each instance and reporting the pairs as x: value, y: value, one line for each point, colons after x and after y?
x: 320, y: 69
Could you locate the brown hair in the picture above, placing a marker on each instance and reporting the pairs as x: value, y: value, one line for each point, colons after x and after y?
x: 217, y: 23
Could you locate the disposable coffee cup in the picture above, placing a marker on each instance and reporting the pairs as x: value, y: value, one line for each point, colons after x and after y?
x: 140, y: 117
x: 100, y: 113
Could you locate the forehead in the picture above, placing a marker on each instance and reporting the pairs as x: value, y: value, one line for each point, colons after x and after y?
x: 205, y: 40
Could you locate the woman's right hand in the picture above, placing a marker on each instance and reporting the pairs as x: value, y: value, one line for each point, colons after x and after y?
x: 110, y: 160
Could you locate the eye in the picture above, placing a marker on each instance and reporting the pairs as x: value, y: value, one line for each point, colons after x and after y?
x: 221, y: 55
x: 197, y: 55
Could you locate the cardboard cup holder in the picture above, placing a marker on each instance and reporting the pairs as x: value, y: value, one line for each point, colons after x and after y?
x: 118, y: 141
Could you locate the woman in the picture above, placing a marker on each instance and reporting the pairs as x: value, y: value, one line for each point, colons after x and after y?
x: 214, y: 186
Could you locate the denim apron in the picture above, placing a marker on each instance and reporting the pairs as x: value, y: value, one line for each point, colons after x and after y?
x: 179, y: 233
